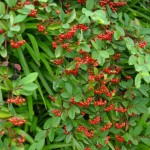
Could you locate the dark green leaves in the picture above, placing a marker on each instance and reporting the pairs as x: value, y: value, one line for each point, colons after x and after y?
x: 89, y: 4
x: 2, y: 8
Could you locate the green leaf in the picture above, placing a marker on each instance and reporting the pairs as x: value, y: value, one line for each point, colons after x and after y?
x: 68, y: 88
x: 120, y: 30
x: 8, y: 84
x: 71, y: 113
x: 40, y: 144
x: 3, y: 53
x: 86, y: 12
x: 30, y: 87
x: 29, y: 78
x: 41, y: 134
x: 129, y: 43
x: 71, y: 17
x: 34, y: 45
x: 11, y: 3
x: 68, y: 138
x: 2, y: 39
x: 19, y: 18
x: 137, y: 130
x: 2, y: 8
x: 117, y: 35
x: 4, y: 114
x: 85, y: 47
x: 32, y: 53
x: 146, y: 141
x: 15, y: 28
x: 132, y: 60
x: 56, y: 121
x: 51, y: 134
x: 138, y: 80
x: 104, y: 54
x: 54, y: 26
x: 58, y: 51
x: 89, y: 4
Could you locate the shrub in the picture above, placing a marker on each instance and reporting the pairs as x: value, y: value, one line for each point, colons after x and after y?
x: 73, y: 75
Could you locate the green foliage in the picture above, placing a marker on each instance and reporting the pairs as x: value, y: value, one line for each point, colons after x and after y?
x: 74, y: 75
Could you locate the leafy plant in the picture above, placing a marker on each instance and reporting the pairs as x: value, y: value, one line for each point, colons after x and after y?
x: 73, y: 75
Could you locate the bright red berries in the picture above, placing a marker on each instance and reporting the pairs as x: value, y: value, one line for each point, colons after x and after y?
x: 120, y: 126
x: 119, y: 138
x: 33, y: 13
x: 95, y: 120
x: 21, y: 139
x: 17, y: 100
x: 58, y: 61
x: 106, y: 36
x: 2, y: 31
x: 88, y: 133
x: 17, y: 121
x: 142, y: 44
x: 41, y: 28
x: 112, y: 5
x: 83, y: 2
x: 17, y: 44
x: 52, y: 98
x: 106, y: 127
x: 100, y: 102
x: 56, y: 112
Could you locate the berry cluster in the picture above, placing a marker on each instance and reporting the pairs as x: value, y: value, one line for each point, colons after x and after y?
x: 88, y: 133
x: 17, y: 44
x: 87, y: 148
x: 117, y: 56
x: 82, y: 2
x: 107, y: 139
x: 2, y: 31
x: 106, y: 36
x: 112, y: 5
x: 65, y: 130
x: 52, y: 98
x: 33, y: 13
x: 17, y: 100
x: 56, y: 112
x: 73, y: 72
x: 103, y: 90
x: 17, y: 121
x: 115, y: 80
x: 100, y: 102
x: 109, y: 108
x: 21, y: 139
x: 121, y: 109
x: 58, y: 61
x: 120, y: 126
x: 82, y: 27
x: 41, y: 28
x: 27, y: 2
x: 119, y: 138
x: 85, y: 103
x: 112, y: 70
x: 128, y: 77
x: 106, y: 127
x: 142, y: 44
x: 95, y: 120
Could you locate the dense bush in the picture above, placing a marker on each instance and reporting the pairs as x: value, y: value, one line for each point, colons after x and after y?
x: 73, y: 75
